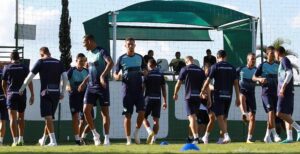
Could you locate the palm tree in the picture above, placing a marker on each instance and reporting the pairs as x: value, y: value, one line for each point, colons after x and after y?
x: 279, y: 42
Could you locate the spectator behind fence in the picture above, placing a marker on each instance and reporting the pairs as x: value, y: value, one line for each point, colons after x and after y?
x: 209, y: 58
x: 149, y: 56
x: 177, y: 63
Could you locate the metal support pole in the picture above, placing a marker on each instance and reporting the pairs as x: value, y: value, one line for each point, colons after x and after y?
x: 261, y: 33
x: 114, y: 25
x: 16, y: 25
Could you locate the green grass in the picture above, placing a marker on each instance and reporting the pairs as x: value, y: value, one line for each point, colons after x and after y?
x: 172, y: 148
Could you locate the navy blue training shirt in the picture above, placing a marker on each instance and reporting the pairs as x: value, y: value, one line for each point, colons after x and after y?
x: 194, y: 78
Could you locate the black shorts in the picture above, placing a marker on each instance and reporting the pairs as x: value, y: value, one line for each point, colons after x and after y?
x: 192, y: 105
x: 250, y: 101
x: 3, y: 109
x: 202, y: 117
x: 221, y: 106
x: 269, y: 102
x: 131, y: 100
x: 93, y: 95
x: 153, y: 107
x: 285, y: 104
x: 49, y: 105
x: 16, y: 102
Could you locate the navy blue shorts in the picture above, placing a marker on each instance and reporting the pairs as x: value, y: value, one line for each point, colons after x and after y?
x: 16, y: 102
x: 131, y: 100
x: 92, y: 95
x: 221, y: 106
x: 49, y: 105
x: 269, y: 102
x: 153, y: 107
x: 192, y: 105
x: 286, y: 104
x: 76, y: 102
x: 250, y: 101
x: 202, y: 117
x: 3, y: 109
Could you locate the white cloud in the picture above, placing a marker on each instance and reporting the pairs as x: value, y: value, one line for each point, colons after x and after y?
x: 296, y: 21
x: 34, y: 15
x: 27, y: 15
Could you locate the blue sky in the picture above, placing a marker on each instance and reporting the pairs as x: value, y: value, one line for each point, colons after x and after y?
x: 280, y: 19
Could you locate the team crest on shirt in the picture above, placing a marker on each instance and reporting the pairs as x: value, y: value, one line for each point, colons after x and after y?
x: 72, y: 110
x: 125, y: 109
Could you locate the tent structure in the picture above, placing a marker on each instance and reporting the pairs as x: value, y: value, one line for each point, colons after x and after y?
x: 197, y: 18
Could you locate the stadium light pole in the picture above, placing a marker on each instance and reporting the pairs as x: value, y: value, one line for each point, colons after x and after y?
x: 16, y: 25
x: 261, y: 33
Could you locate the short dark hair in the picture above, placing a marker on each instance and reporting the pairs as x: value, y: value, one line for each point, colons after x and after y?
x: 250, y: 54
x: 45, y: 50
x: 177, y: 52
x: 270, y: 48
x: 222, y: 53
x: 281, y: 50
x: 150, y: 51
x: 80, y: 55
x: 208, y: 50
x: 15, y: 55
x: 130, y: 39
x: 152, y: 62
x: 89, y: 37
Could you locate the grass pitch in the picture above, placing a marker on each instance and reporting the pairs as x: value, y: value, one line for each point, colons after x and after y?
x: 171, y: 148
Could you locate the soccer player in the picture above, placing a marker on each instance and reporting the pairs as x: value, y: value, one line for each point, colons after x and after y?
x: 194, y: 78
x: 3, y: 112
x: 224, y: 76
x: 266, y: 75
x: 247, y: 93
x: 51, y: 72
x: 99, y: 64
x: 285, y: 104
x: 76, y: 76
x: 154, y: 84
x: 13, y: 76
x: 133, y: 68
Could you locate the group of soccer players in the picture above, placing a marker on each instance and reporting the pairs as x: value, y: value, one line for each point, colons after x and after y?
x: 208, y: 93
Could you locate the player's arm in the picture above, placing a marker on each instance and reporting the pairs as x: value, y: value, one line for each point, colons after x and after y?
x: 288, y: 77
x: 28, y: 80
x: 83, y: 84
x: 65, y: 81
x: 205, y: 86
x: 257, y: 76
x: 117, y: 74
x: 164, y: 94
x: 4, y: 87
x: 109, y: 66
x: 31, y: 100
x: 237, y: 92
x: 177, y: 87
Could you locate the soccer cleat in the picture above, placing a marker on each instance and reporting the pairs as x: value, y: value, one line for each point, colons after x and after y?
x: 196, y: 141
x: 250, y: 141
x: 41, y: 142
x: 152, y: 141
x: 52, y: 144
x: 106, y: 142
x: 128, y: 143
x: 136, y: 137
x: 286, y: 141
x: 150, y: 137
x: 97, y: 140
x: 189, y: 140
x: 298, y: 136
x: 268, y: 139
x: 79, y: 142
x: 226, y: 140
x: 83, y: 142
x: 14, y: 144
x: 277, y: 139
x: 220, y: 141
x: 21, y: 143
x: 205, y: 140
